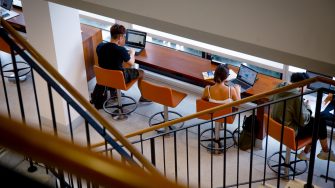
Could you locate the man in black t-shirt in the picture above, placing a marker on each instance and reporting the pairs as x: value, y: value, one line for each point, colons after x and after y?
x: 112, y: 55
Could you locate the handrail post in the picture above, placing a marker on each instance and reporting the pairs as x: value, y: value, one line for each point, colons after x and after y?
x: 314, y: 139
x: 31, y: 167
x: 153, y: 156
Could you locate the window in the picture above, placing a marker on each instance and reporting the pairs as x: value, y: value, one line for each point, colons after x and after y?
x: 220, y: 55
x: 295, y: 69
x: 175, y: 46
x: 225, y: 60
x: 96, y: 20
x: 267, y: 71
x: 190, y: 46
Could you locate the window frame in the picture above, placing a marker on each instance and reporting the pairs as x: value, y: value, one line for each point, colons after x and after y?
x: 193, y: 44
x: 209, y: 50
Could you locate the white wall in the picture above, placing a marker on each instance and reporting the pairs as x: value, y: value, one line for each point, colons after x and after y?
x: 291, y: 32
x: 54, y: 30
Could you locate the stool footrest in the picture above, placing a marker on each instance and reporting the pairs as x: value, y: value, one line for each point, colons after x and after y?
x: 215, y: 143
x: 23, y: 69
x: 273, y: 164
x: 159, y: 118
x: 119, y: 112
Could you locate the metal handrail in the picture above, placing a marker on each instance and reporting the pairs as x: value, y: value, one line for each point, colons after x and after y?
x: 229, y: 105
x: 75, y: 159
x: 159, y: 139
x: 82, y: 100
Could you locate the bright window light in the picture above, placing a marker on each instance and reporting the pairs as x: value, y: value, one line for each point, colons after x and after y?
x: 149, y: 39
x: 210, y: 47
x: 295, y: 69
x: 96, y: 16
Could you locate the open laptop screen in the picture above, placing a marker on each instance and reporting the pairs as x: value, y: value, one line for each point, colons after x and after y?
x: 6, y: 4
x: 135, y: 38
x: 317, y: 85
x: 247, y: 74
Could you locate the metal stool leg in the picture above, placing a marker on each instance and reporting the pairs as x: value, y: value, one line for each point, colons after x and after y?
x: 217, y: 133
x: 217, y: 143
x: 120, y: 116
x: 287, y: 160
x: 23, y: 69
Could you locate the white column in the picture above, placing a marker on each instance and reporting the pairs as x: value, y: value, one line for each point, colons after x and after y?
x: 54, y: 31
x: 286, y: 73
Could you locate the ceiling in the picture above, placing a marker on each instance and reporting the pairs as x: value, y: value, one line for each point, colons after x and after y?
x: 299, y: 33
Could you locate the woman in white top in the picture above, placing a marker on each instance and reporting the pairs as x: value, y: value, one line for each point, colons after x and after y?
x: 220, y: 92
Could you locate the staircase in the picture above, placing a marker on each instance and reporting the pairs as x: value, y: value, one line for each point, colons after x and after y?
x: 17, y: 163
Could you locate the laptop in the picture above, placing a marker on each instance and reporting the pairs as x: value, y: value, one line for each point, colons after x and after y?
x: 5, y: 9
x: 17, y: 3
x: 135, y: 40
x: 317, y: 85
x: 246, y: 78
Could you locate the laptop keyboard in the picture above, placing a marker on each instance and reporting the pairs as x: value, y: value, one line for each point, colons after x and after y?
x: 242, y: 84
x: 135, y: 49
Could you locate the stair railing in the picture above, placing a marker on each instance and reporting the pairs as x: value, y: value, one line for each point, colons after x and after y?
x: 93, y: 167
x: 74, y: 99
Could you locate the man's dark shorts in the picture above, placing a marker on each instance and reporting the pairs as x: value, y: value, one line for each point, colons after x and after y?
x: 130, y: 74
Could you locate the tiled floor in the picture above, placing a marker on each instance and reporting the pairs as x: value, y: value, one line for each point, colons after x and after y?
x: 209, y: 164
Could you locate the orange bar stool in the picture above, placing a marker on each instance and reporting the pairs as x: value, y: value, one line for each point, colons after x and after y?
x: 291, y: 143
x: 212, y: 138
x: 166, y: 97
x: 124, y: 105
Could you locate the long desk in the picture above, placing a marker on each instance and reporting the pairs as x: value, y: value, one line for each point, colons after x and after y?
x: 189, y: 68
x: 180, y: 65
x: 167, y: 61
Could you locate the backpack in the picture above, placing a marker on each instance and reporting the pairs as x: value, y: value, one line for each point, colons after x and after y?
x: 98, y: 96
x: 246, y: 135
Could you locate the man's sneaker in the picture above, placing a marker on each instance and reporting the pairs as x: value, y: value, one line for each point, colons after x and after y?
x: 144, y: 100
x: 324, y: 155
x: 303, y: 156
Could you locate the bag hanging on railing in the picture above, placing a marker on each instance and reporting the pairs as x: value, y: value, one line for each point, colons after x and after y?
x: 98, y: 96
x: 245, y: 141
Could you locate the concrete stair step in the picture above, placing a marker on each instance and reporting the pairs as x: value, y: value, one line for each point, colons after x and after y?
x: 290, y: 184
x: 18, y: 163
x: 266, y: 186
x: 10, y: 159
x: 297, y: 184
